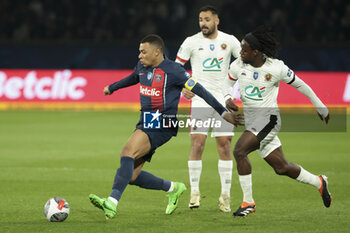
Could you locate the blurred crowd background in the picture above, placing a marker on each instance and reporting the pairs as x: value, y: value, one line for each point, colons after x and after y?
x: 84, y: 25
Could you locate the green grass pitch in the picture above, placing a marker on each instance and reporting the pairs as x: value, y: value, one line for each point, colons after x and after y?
x: 72, y: 154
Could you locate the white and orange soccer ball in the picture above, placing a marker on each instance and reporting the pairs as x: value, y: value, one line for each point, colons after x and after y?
x: 56, y: 209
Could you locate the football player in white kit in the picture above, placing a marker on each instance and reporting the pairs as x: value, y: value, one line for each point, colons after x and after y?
x: 258, y: 75
x: 209, y: 51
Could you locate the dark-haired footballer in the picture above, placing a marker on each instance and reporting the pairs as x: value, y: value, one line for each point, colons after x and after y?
x: 258, y: 74
x: 161, y: 81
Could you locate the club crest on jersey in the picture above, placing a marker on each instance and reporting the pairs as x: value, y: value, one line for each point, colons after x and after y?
x: 158, y: 78
x: 149, y: 75
x: 256, y: 75
x: 212, y: 47
x: 223, y: 46
x: 243, y: 73
x: 268, y: 77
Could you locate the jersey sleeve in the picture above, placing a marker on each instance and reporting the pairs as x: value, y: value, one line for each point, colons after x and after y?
x: 130, y: 80
x: 287, y: 75
x: 236, y: 46
x: 184, y: 52
x: 181, y: 75
x: 186, y: 81
x: 230, y: 81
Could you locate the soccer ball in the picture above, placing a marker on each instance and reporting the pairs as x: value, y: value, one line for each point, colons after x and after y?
x: 56, y: 209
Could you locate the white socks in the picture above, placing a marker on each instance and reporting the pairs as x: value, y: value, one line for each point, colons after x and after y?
x: 115, y: 201
x: 171, y: 187
x: 308, y: 178
x: 246, y: 185
x: 304, y: 177
x: 195, y: 170
x: 225, y: 172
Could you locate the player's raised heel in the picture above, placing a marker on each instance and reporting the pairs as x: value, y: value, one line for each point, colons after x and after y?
x: 224, y: 203
x: 245, y: 209
x: 174, y: 196
x: 195, y: 200
x: 325, y: 194
x: 106, y: 205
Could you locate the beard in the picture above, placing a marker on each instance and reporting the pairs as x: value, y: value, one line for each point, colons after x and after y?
x: 209, y: 32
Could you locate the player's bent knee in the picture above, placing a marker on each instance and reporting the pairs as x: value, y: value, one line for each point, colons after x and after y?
x: 239, y: 153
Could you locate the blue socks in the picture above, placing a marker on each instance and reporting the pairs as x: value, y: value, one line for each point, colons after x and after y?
x: 149, y: 181
x: 144, y: 180
x: 122, y: 177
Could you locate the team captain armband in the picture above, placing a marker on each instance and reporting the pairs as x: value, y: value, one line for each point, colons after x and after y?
x: 190, y: 83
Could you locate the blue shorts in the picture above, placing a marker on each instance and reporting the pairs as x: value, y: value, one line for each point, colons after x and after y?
x: 156, y: 138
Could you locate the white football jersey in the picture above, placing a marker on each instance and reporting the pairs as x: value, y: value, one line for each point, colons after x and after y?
x: 259, y: 85
x: 210, y: 59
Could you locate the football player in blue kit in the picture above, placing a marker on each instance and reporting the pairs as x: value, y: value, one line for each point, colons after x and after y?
x: 161, y: 82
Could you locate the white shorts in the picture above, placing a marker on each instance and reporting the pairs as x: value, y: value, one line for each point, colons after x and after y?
x: 201, y: 111
x: 266, y: 128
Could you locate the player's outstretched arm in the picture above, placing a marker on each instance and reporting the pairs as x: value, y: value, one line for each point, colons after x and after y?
x: 106, y: 91
x: 187, y: 94
x: 235, y: 119
x: 230, y: 105
x: 199, y: 90
x: 326, y: 119
x: 125, y: 82
x: 306, y: 90
x: 228, y: 84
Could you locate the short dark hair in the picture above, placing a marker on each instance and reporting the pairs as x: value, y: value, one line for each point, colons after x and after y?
x: 154, y: 40
x: 210, y: 8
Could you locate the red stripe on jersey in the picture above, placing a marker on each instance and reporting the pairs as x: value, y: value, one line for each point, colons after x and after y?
x: 229, y: 76
x: 157, y: 101
x: 180, y: 59
x: 221, y: 59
